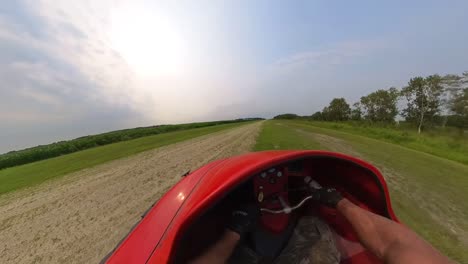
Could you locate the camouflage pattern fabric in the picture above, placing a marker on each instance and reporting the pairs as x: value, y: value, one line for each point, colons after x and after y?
x: 311, y: 243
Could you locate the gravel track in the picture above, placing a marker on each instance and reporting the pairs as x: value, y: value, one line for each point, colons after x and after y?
x: 81, y: 217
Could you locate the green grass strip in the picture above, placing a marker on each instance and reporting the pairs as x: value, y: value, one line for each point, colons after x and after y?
x: 448, y: 143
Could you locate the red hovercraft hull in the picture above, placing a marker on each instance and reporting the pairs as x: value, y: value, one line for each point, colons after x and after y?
x: 155, y: 238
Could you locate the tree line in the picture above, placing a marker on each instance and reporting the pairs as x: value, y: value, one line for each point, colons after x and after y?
x: 15, y: 158
x: 429, y: 101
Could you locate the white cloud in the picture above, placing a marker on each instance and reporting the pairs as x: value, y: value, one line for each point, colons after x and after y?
x: 29, y: 117
x: 332, y: 55
x: 40, y: 74
x: 78, y: 33
x: 40, y: 97
x: 77, y: 68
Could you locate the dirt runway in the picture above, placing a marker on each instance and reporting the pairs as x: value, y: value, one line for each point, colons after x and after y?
x: 82, y: 216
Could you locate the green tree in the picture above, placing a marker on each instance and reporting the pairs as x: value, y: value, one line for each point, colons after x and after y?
x: 317, y: 116
x: 356, y: 112
x: 457, y: 88
x: 423, y: 97
x: 460, y: 103
x: 338, y: 110
x: 286, y: 116
x: 381, y: 105
x: 326, y: 114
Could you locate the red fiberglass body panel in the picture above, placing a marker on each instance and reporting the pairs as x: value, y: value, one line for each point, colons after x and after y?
x: 153, y: 239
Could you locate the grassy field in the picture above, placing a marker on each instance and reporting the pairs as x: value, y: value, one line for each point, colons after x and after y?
x: 447, y: 143
x: 428, y: 193
x: 34, y: 173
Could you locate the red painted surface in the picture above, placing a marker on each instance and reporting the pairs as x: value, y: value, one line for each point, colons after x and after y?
x: 154, y: 237
x: 138, y: 246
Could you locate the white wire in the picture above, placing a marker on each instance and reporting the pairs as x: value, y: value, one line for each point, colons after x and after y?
x: 288, y: 209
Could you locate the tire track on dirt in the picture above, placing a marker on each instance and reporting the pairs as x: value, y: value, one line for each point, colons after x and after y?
x: 82, y: 216
x: 340, y: 145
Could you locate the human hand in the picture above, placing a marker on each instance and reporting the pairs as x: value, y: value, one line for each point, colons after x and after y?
x: 327, y: 196
x: 244, y: 219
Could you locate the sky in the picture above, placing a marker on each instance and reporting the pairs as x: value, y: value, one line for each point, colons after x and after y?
x: 74, y: 68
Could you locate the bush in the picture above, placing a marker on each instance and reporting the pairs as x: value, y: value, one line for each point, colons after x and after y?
x: 286, y: 116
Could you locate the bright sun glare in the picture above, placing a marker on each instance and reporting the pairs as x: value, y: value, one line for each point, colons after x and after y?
x: 149, y: 43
